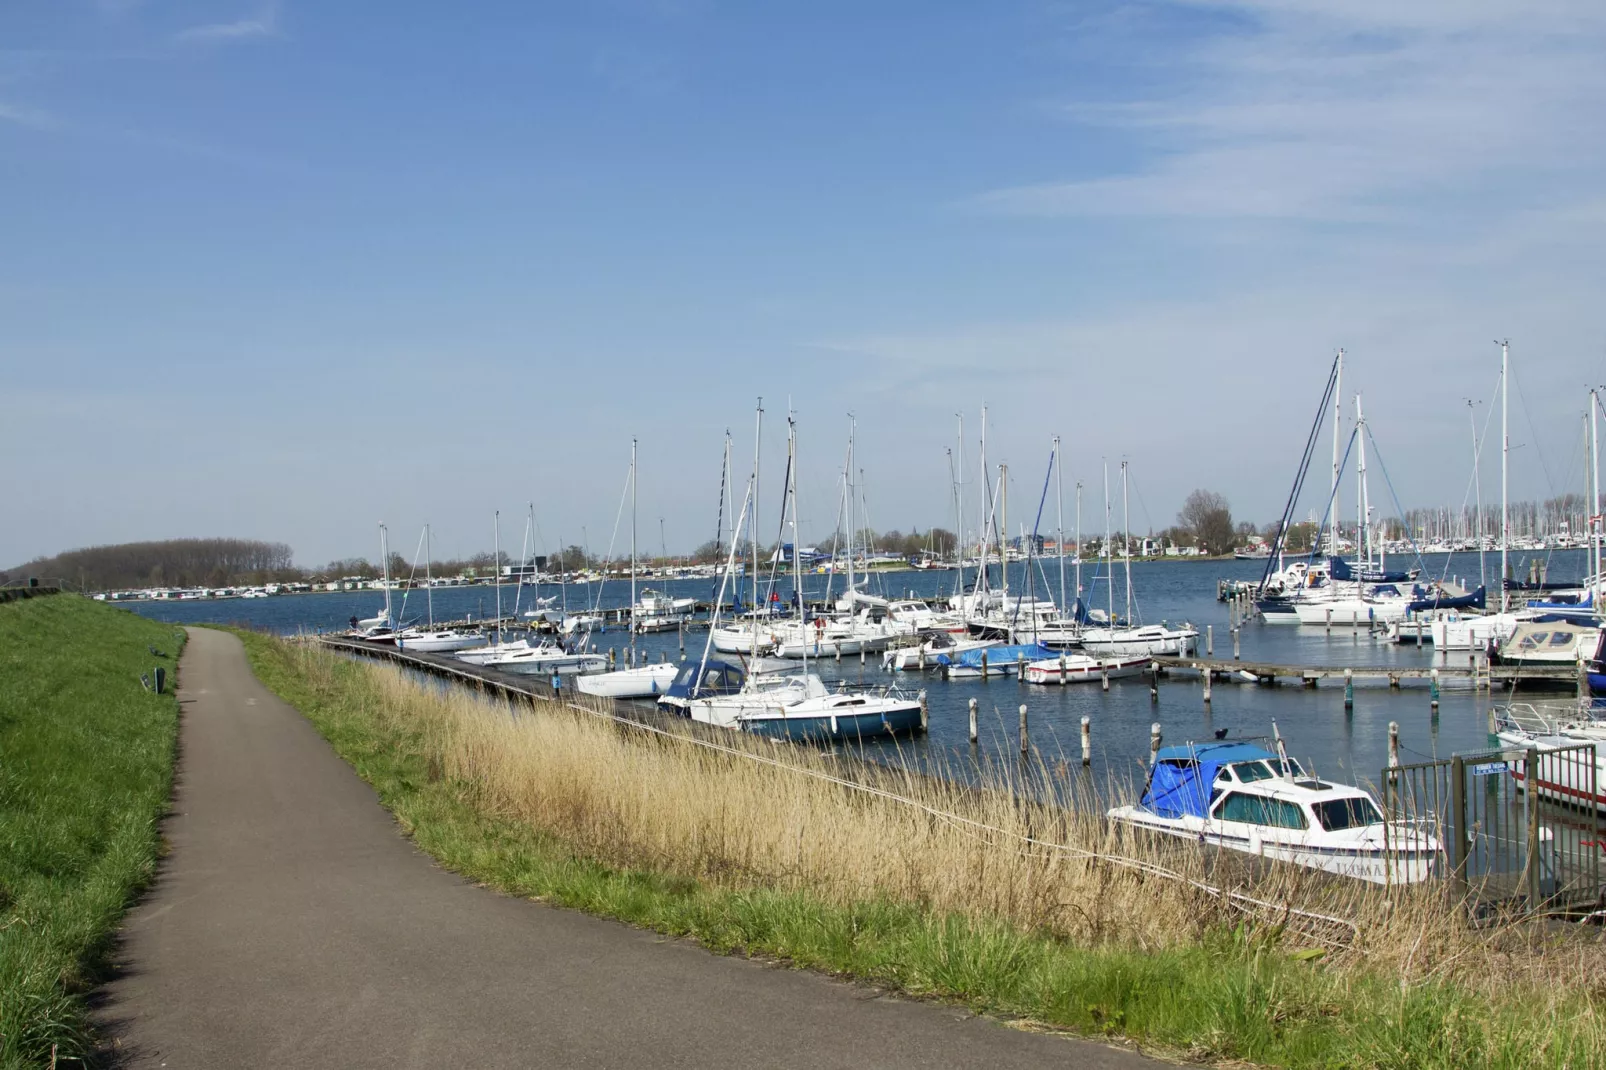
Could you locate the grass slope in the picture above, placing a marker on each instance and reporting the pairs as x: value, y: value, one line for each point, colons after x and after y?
x: 86, y: 760
x: 1232, y: 995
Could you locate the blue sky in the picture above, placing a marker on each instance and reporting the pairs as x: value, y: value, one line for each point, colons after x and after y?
x: 287, y: 269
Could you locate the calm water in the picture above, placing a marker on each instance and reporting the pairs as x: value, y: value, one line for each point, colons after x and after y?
x: 1351, y: 747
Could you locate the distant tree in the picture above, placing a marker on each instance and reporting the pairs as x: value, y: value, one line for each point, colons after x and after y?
x: 1299, y: 537
x: 1207, y: 515
x: 941, y: 540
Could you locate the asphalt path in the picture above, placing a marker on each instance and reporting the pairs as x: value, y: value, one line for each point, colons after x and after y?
x: 293, y: 925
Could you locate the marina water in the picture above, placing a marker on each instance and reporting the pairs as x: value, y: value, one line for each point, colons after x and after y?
x: 1351, y: 746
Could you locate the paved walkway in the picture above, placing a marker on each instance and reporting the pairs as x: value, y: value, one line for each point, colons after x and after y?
x: 293, y: 926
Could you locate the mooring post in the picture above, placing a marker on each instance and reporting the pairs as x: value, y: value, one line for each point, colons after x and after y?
x: 1210, y: 640
x: 1104, y: 675
x: 1154, y: 681
x: 1207, y: 675
x: 1583, y: 676
x: 983, y: 663
x: 1020, y: 665
x: 1235, y: 653
x: 1062, y: 666
x: 1349, y: 689
x: 682, y: 630
x: 1530, y: 799
x: 610, y: 657
x: 1329, y: 620
x: 1433, y: 688
x: 922, y: 657
x: 1023, y: 746
x: 925, y: 712
x: 1154, y: 744
x: 861, y: 655
x: 1087, y: 741
x: 974, y: 735
x: 1394, y: 744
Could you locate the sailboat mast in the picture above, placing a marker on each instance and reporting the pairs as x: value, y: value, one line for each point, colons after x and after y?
x: 1109, y: 558
x: 429, y: 581
x: 1059, y: 521
x: 1477, y: 486
x: 853, y: 426
x: 633, y: 622
x: 959, y: 523
x: 1003, y: 530
x: 1505, y: 455
x: 758, y: 438
x: 384, y: 563
x: 1338, y: 422
x: 1361, y: 545
x: 496, y: 556
x: 1078, y: 575
x: 1594, y: 502
x: 982, y: 567
x: 1126, y: 542
x: 797, y: 552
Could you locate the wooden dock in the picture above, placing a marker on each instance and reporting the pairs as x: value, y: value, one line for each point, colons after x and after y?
x: 1479, y: 672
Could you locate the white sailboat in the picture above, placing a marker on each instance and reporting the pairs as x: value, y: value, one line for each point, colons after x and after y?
x: 1123, y: 639
x: 429, y: 639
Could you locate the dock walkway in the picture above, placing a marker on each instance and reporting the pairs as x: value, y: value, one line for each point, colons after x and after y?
x: 1478, y: 672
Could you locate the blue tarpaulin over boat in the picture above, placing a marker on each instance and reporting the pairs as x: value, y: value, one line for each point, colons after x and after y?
x: 999, y: 655
x: 1341, y: 569
x: 1475, y: 600
x: 1181, y: 778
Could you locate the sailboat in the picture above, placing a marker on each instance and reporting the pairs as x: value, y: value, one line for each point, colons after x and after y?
x: 432, y: 640
x: 1122, y: 638
x: 797, y: 705
x: 634, y: 681
x: 381, y: 629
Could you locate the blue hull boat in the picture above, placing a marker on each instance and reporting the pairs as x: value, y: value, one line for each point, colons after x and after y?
x: 843, y: 727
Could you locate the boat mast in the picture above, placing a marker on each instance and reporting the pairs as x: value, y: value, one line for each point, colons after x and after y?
x: 1338, y: 421
x: 1505, y: 454
x: 1109, y: 558
x: 633, y: 622
x: 1362, y: 543
x: 959, y: 523
x: 758, y: 438
x: 384, y: 561
x: 496, y: 556
x: 1477, y: 488
x: 1594, y: 502
x: 959, y: 544
x: 1059, y: 522
x: 797, y: 552
x: 429, y: 581
x: 848, y: 486
x: 1003, y: 532
x: 1126, y: 543
x: 1078, y: 540
x: 982, y: 575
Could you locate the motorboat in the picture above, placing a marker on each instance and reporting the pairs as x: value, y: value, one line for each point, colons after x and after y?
x: 798, y: 706
x: 641, y: 681
x: 1543, y: 642
x: 1566, y: 778
x: 1083, y: 668
x: 1242, y: 797
x: 656, y: 612
x: 546, y: 659
x: 996, y: 660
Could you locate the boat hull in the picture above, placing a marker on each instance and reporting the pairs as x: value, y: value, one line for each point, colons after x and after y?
x: 1083, y: 670
x: 647, y: 681
x: 903, y: 720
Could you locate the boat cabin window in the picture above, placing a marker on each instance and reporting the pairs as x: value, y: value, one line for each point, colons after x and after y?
x: 1560, y: 638
x: 1261, y: 810
x: 1534, y: 640
x: 1249, y: 772
x: 1336, y: 814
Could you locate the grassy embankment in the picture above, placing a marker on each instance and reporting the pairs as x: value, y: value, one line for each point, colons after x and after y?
x: 769, y: 859
x: 86, y: 759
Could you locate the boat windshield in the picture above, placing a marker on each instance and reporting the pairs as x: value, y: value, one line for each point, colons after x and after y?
x: 1353, y: 812
x: 1249, y: 772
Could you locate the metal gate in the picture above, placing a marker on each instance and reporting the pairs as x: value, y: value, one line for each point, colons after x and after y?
x: 1509, y: 841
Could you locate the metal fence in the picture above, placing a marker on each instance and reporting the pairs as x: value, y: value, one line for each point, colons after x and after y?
x: 1509, y: 841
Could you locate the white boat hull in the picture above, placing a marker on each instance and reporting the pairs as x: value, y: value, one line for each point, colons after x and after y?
x: 644, y: 681
x: 1081, y: 669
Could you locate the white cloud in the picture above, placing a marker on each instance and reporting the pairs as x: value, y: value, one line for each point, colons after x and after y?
x: 264, y: 25
x: 29, y: 117
x: 1336, y: 111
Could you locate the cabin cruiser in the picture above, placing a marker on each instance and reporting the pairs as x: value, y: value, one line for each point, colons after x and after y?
x: 799, y: 706
x: 1567, y: 778
x: 1245, y: 798
x: 1545, y: 642
x: 656, y: 612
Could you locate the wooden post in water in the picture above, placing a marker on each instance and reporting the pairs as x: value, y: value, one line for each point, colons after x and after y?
x: 1062, y: 667
x: 1154, y: 744
x: 1020, y: 665
x: 974, y: 735
x: 1235, y: 653
x: 1023, y: 744
x: 925, y: 712
x: 1087, y: 741
x: 1329, y: 620
x: 1210, y: 640
x: 1433, y: 689
x: 1349, y: 689
x: 1394, y: 744
x: 983, y: 664
x: 1104, y: 675
x: 1207, y: 675
x: 922, y: 657
x: 1154, y: 681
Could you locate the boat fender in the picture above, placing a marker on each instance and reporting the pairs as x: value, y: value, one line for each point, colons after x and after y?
x: 1256, y: 847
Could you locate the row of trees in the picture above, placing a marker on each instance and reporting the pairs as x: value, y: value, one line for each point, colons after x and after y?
x: 167, y: 563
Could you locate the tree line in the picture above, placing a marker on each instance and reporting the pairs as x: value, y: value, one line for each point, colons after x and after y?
x: 164, y: 563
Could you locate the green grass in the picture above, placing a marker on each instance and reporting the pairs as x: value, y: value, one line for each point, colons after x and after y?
x: 1237, y: 995
x: 86, y: 759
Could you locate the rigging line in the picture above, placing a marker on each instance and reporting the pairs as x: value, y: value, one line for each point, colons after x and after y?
x: 1142, y: 505
x: 1280, y: 540
x: 1378, y: 450
x: 624, y: 496
x: 1343, y: 464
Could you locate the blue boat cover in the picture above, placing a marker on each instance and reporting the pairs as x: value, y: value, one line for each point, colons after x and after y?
x: 1181, y: 778
x: 999, y: 655
x: 1475, y: 600
x: 1341, y: 569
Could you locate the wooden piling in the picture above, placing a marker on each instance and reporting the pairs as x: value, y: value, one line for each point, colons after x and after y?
x: 1394, y: 744
x: 1349, y: 689
x: 1023, y: 744
x: 974, y: 734
x: 1154, y: 744
x: 925, y: 712
x: 1210, y: 640
x: 1087, y: 741
x: 1207, y: 676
